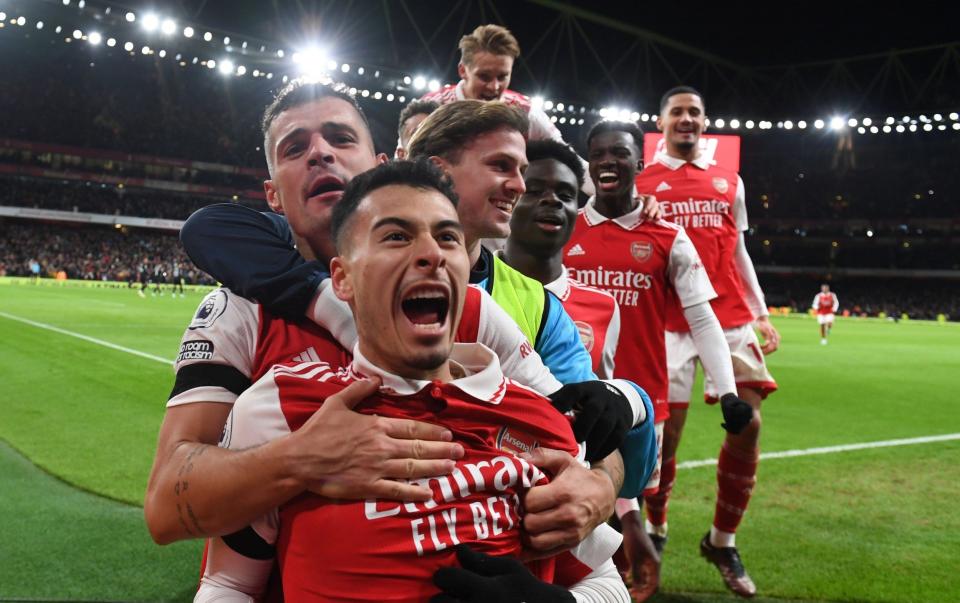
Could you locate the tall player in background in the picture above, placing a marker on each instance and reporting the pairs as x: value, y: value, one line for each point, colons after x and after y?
x: 645, y: 264
x: 709, y: 202
x: 826, y: 305
x: 487, y: 55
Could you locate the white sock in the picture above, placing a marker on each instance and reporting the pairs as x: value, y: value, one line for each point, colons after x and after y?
x: 660, y: 531
x: 722, y: 539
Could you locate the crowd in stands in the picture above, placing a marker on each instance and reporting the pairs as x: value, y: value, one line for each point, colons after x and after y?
x: 88, y: 197
x: 94, y: 253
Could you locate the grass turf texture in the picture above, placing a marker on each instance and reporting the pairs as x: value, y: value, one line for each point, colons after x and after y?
x: 872, y: 525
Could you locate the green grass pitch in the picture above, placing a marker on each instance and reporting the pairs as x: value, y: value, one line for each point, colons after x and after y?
x: 78, y: 425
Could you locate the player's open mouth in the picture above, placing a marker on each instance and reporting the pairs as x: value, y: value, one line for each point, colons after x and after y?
x: 609, y: 180
x: 325, y: 188
x: 549, y: 222
x: 426, y: 306
x: 503, y: 205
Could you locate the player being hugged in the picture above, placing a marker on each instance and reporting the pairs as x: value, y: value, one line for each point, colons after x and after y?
x: 403, y: 267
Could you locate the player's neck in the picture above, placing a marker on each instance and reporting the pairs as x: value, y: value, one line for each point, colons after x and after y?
x: 543, y: 268
x: 614, y: 206
x: 473, y: 249
x: 441, y: 373
x: 688, y: 154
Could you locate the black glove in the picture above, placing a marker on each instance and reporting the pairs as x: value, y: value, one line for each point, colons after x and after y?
x: 602, y: 415
x: 485, y: 579
x: 737, y: 414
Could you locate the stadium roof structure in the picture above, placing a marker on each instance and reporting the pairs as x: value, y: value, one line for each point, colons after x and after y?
x: 776, y: 60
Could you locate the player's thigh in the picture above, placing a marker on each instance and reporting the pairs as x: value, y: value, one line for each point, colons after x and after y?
x: 750, y: 370
x: 681, y: 368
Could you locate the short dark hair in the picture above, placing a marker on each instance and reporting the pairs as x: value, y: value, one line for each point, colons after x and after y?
x: 416, y: 107
x: 562, y: 152
x: 421, y: 174
x: 612, y: 125
x: 680, y: 90
x: 300, y: 92
x: 455, y: 125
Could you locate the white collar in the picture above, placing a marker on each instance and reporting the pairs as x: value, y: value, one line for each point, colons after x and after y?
x: 628, y: 221
x: 675, y: 163
x: 483, y: 380
x: 561, y: 286
x: 458, y: 91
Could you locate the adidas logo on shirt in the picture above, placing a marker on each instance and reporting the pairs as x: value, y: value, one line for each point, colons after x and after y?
x: 308, y: 355
x: 576, y: 250
x: 663, y: 186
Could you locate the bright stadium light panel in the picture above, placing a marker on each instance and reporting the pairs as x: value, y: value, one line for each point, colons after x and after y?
x: 241, y: 70
x: 956, y: 125
x: 852, y: 122
x: 188, y: 32
x: 818, y: 124
x: 886, y: 129
x: 207, y: 37
x: 128, y: 46
x: 111, y: 42
x: 39, y: 24
x: 734, y: 123
x: 419, y: 82
x: 536, y: 102
x: 77, y: 34
x: 836, y: 123
x: 162, y: 53
x: 867, y: 121
x: 312, y: 62
x: 547, y: 105
x: 719, y: 122
x: 874, y: 129
x: 225, y: 66
x: 900, y: 128
x: 802, y: 125
x: 226, y: 40
x: 345, y: 68
x: 788, y: 125
x: 130, y: 17
x: 280, y: 53
x: 21, y: 21
x: 94, y: 38
x: 749, y: 124
x: 168, y: 27
x: 434, y: 85
x: 151, y: 22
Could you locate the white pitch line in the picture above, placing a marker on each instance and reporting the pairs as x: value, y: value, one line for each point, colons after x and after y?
x: 832, y: 449
x: 106, y: 344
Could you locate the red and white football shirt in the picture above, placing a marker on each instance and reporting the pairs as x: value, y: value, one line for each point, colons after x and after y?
x: 826, y: 303
x: 541, y: 128
x: 597, y: 316
x: 388, y: 551
x: 708, y: 201
x: 641, y: 264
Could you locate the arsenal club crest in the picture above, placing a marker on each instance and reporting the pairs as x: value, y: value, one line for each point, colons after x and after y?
x: 586, y: 334
x: 721, y: 185
x: 641, y: 250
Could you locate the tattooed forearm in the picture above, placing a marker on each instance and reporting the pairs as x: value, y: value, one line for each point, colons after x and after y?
x: 613, y: 467
x: 180, y: 489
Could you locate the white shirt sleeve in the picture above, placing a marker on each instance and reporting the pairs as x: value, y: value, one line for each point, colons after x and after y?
x: 686, y: 272
x: 740, y: 207
x: 610, y: 342
x: 711, y: 346
x: 836, y: 302
x: 223, y: 332
x: 602, y: 585
x: 518, y: 360
x: 753, y: 293
x: 816, y: 301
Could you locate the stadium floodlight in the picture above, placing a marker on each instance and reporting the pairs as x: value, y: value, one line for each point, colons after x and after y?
x: 547, y: 105
x: 734, y: 123
x: 151, y: 22
x: 21, y: 21
x: 913, y: 127
x: 226, y: 66
x: 861, y: 130
x: 900, y: 128
x: 634, y: 116
x: 624, y: 115
x: 402, y: 99
x: 361, y: 71
x: 130, y: 16
x: 644, y: 116
x: 433, y: 86
x: 836, y: 123
x: 927, y: 127
x: 407, y: 80
x: 942, y: 127
x: 188, y: 32
x: 890, y: 120
x: 77, y: 34
x: 111, y: 42
x: 852, y: 122
x: 419, y: 82
x: 788, y: 125
x: 560, y: 106
x: 553, y: 118
x: 536, y: 102
x: 3, y: 16
x: 818, y: 124
x: 280, y: 53
x: 58, y: 29
x: 389, y: 97
x: 345, y: 68
x: 378, y: 95
x: 874, y: 129
x: 94, y: 38
x: 168, y: 26
x: 364, y: 93
x: 211, y: 64
x: 162, y: 53
x: 128, y: 46
x: 226, y: 40
x: 749, y: 124
x: 802, y: 125
x: 145, y: 50
x: 937, y: 117
x: 207, y: 36
x: 39, y: 24
x: 924, y: 118
x: 886, y: 129
x: 956, y: 125
x: 312, y: 62
x: 867, y: 121
x: 719, y: 122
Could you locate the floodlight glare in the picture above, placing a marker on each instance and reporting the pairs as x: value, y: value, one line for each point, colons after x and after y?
x: 241, y: 70
x: 900, y: 128
x: 226, y: 66
x: 407, y: 80
x: 836, y: 123
x: 927, y: 127
x: 345, y: 68
x: 956, y: 125
x: 536, y: 102
x: 818, y: 124
x: 207, y: 37
x: 360, y: 70
x: 130, y: 17
x: 547, y: 105
x: 128, y: 46
x: 802, y: 125
x: 111, y: 42
x: 419, y: 82
x: 788, y: 125
x: 21, y: 21
x: 226, y: 40
x: 162, y: 53
x: 852, y: 122
x: 633, y: 116
x: 211, y: 64
x: 168, y: 27
x: 151, y: 22
x: 77, y: 34
x: 94, y: 38
x: 433, y: 86
x: 312, y: 62
x: 188, y: 32
x: 280, y: 53
x: 867, y: 121
x: 624, y: 115
x: 559, y: 106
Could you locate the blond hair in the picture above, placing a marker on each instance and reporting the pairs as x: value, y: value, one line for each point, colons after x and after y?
x: 454, y: 126
x: 494, y: 39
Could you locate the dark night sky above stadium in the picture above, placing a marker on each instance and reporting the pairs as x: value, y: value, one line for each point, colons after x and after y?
x: 747, y: 33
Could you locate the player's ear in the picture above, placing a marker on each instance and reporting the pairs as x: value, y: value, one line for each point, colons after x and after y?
x: 441, y: 163
x: 273, y: 196
x: 660, y: 123
x: 461, y: 70
x: 383, y: 158
x: 341, y: 280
